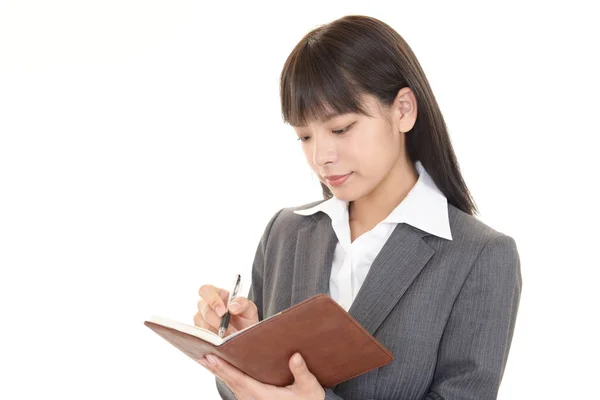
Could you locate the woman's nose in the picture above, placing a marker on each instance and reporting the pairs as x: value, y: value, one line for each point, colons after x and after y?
x: 324, y: 150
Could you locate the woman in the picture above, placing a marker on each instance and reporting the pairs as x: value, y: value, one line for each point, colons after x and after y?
x: 395, y: 241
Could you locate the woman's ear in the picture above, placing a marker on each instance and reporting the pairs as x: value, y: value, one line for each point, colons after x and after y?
x: 405, y: 109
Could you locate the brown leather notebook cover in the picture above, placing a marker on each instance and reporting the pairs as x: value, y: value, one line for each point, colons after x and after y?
x: 334, y: 345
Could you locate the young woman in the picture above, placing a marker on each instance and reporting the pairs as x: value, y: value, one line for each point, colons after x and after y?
x: 395, y: 241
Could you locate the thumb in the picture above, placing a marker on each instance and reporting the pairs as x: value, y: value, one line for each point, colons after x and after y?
x: 244, y: 308
x: 302, y: 376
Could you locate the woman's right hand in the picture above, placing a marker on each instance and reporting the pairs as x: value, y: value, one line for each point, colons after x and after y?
x: 212, y: 306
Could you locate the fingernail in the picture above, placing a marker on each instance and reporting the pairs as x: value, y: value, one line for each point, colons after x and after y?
x: 298, y: 360
x: 203, y: 363
x: 220, y: 311
x: 234, y: 307
x: 212, y: 360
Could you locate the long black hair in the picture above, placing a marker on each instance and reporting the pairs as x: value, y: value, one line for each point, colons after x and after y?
x: 336, y: 63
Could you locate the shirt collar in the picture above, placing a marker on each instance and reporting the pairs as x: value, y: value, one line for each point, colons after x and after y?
x: 425, y: 207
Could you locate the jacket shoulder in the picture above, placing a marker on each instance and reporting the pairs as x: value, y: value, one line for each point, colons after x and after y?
x: 285, y: 222
x: 466, y: 227
x: 288, y: 214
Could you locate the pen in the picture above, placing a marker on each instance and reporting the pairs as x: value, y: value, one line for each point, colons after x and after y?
x: 232, y: 295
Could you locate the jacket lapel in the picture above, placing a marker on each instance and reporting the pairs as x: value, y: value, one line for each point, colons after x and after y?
x: 313, y: 257
x: 394, y: 269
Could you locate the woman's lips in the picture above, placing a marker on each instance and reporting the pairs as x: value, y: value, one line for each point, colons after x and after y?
x: 336, y: 180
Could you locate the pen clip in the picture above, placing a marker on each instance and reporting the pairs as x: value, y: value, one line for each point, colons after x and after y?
x: 236, y: 289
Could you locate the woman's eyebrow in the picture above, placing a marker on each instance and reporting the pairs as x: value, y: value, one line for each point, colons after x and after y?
x: 329, y: 116
x: 326, y: 118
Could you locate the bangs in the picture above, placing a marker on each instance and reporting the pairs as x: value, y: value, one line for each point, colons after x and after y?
x: 315, y: 87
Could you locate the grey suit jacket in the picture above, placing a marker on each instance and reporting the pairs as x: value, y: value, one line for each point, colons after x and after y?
x: 445, y: 309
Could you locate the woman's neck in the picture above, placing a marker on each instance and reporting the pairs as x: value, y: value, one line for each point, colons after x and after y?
x: 374, y: 207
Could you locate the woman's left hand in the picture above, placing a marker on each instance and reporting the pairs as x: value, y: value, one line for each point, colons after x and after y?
x: 305, y: 386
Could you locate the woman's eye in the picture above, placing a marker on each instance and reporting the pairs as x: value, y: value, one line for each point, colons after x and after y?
x: 343, y: 130
x: 336, y: 132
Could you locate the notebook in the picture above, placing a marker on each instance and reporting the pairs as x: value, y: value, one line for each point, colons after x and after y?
x: 333, y: 344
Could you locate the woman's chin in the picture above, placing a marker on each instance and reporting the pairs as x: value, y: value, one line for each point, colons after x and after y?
x: 344, y: 194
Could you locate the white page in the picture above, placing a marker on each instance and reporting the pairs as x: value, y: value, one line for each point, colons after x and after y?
x: 193, y: 330
x: 198, y: 332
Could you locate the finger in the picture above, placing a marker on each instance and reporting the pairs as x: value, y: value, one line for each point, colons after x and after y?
x: 201, y: 323
x: 213, y: 296
x: 244, y: 308
x: 224, y: 295
x: 202, y: 303
x: 304, y: 380
x: 240, y: 383
x: 209, y: 318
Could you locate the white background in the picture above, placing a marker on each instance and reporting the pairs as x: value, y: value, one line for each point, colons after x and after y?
x: 142, y: 153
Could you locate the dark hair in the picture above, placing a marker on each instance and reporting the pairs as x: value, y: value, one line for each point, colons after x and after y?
x: 335, y: 64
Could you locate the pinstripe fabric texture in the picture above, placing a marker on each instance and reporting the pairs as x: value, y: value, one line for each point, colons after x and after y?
x: 445, y: 309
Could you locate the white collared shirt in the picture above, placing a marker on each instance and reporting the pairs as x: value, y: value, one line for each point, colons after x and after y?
x: 424, y: 207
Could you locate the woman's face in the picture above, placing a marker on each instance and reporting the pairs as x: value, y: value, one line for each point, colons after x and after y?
x: 353, y: 154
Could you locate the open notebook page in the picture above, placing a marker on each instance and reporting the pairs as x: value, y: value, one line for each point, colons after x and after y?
x: 198, y: 332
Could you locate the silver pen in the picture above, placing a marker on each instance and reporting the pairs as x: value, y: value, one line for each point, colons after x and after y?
x: 232, y: 295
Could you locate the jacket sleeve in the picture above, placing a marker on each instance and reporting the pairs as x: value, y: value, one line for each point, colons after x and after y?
x: 255, y: 293
x: 478, y: 334
x: 330, y: 395
x: 476, y: 341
